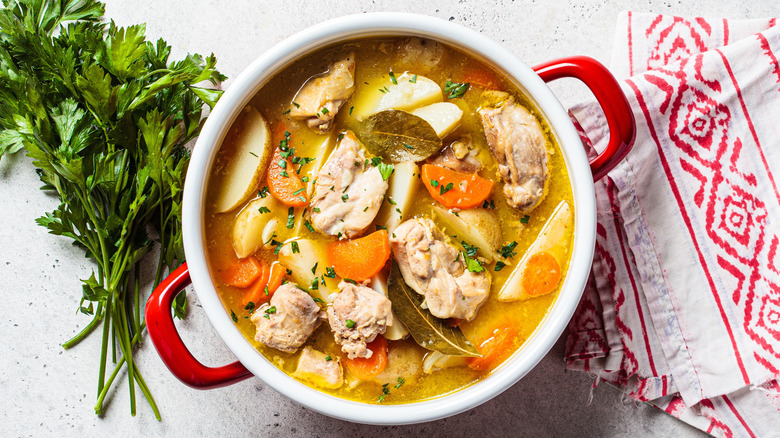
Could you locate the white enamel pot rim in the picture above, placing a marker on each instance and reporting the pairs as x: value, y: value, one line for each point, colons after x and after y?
x: 245, y: 86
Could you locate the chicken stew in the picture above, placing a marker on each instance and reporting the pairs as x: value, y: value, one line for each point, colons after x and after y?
x: 389, y: 220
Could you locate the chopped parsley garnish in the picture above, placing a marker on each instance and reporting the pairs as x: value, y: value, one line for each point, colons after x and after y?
x: 400, y: 382
x: 508, y: 250
x: 270, y: 239
x: 284, y: 174
x: 349, y: 280
x: 305, y: 179
x: 499, y: 266
x: 263, y: 210
x: 524, y: 219
x: 454, y: 89
x: 254, y: 154
x: 318, y: 299
x: 413, y: 79
x: 344, y: 197
x: 330, y: 272
x: 434, y: 183
x: 391, y: 202
x: 295, y: 248
x: 350, y: 110
x: 265, y: 289
x: 365, y: 209
x: 381, y: 227
x: 233, y: 316
x: 350, y: 323
x: 250, y: 306
x: 386, y: 170
x: 491, y: 205
x: 392, y: 78
x: 471, y: 251
x: 314, y: 268
x: 269, y: 311
x: 286, y: 112
x: 376, y: 161
x: 290, y: 217
x: 263, y: 192
x: 325, y: 110
x: 278, y: 246
x: 341, y: 136
x: 385, y: 392
x: 296, y: 105
x: 408, y: 146
x: 308, y: 227
x: 282, y: 164
x: 299, y: 191
x: 445, y: 189
x: 473, y: 265
x: 328, y: 358
x: 315, y: 284
x: 316, y: 209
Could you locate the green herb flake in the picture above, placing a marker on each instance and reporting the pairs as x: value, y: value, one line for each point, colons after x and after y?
x: 381, y: 227
x: 284, y: 174
x: 325, y: 110
x: 392, y: 77
x: 350, y: 323
x: 315, y: 284
x: 318, y: 299
x: 434, y: 183
x: 471, y: 251
x: 314, y: 268
x: 328, y: 358
x: 263, y: 210
x: 270, y: 310
x: 508, y: 250
x: 350, y: 110
x: 473, y: 265
x: 524, y: 219
x: 330, y: 272
x: 316, y: 209
x: 233, y: 316
x: 391, y: 202
x: 294, y: 247
x: 290, y: 218
x: 308, y: 226
x: 454, y: 90
x: 413, y: 79
x: 385, y: 393
x: 296, y: 104
x: 263, y: 192
x: 305, y: 179
x: 386, y: 170
x: 376, y: 161
x: 349, y: 280
x: 253, y: 154
x: 401, y: 381
x: 499, y: 266
x: 299, y: 191
x: 445, y: 189
x: 250, y: 306
x: 344, y: 197
x: 408, y: 146
x: 286, y: 112
x: 282, y: 164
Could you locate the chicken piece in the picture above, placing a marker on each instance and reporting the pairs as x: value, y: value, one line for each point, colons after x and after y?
x: 420, y: 54
x: 288, y: 320
x: 357, y: 316
x: 319, y: 369
x: 322, y: 96
x: 348, y: 191
x: 436, y: 270
x: 520, y: 147
x: 460, y: 156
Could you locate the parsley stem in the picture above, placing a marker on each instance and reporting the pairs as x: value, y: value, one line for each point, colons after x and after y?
x: 89, y: 328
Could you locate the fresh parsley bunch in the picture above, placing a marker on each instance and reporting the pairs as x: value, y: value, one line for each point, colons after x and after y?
x: 105, y: 115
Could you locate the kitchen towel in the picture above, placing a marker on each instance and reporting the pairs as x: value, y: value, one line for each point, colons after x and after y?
x: 682, y: 309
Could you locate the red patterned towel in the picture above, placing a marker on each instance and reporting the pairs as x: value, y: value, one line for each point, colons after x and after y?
x: 683, y: 307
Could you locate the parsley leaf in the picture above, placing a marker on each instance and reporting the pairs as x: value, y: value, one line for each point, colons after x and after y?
x: 454, y: 89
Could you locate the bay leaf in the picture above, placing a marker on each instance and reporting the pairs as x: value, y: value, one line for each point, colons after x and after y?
x: 427, y: 330
x: 398, y: 136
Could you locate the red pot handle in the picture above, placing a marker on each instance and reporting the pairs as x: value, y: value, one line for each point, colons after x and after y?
x: 605, y: 87
x: 175, y: 355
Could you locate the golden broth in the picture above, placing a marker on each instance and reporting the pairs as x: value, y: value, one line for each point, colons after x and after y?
x: 376, y: 58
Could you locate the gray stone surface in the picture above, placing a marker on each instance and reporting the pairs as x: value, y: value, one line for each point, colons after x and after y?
x: 46, y: 391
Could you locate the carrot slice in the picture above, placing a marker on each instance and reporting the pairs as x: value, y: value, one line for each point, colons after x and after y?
x: 256, y: 293
x: 541, y: 275
x: 359, y: 259
x: 366, y: 369
x: 497, y: 347
x: 283, y: 180
x: 454, y: 189
x: 243, y: 273
x: 481, y: 77
x: 278, y: 271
